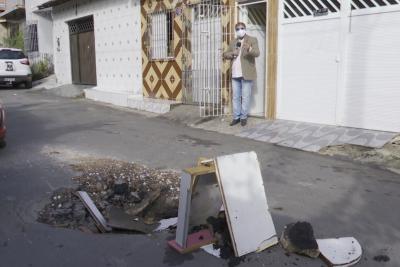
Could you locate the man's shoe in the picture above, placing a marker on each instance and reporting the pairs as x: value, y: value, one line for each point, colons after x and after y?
x: 243, y: 122
x: 234, y: 122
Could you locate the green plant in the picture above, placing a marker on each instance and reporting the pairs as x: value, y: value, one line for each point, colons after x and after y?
x: 41, y: 69
x: 15, y: 41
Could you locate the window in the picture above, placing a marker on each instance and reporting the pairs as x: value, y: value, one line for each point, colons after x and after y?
x: 31, y: 38
x: 161, y: 35
x: 11, y: 54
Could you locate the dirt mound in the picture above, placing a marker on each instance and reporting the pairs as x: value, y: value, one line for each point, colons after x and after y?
x: 388, y: 156
x: 148, y: 194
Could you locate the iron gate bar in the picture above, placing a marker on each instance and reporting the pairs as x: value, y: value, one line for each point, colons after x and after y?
x: 204, y: 69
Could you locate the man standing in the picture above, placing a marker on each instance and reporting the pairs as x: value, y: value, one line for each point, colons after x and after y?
x: 242, y: 52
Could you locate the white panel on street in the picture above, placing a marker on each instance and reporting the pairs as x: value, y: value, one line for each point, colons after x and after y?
x: 245, y: 201
x: 345, y: 251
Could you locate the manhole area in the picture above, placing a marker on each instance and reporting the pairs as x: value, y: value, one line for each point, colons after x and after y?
x: 141, y: 194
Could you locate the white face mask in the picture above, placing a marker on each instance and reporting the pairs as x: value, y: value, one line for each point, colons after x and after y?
x: 241, y: 33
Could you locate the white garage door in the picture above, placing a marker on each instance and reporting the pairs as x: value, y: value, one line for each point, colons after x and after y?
x: 372, y: 91
x: 309, y: 70
x: 308, y: 67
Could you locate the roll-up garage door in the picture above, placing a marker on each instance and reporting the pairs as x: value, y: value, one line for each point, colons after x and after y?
x: 372, y: 91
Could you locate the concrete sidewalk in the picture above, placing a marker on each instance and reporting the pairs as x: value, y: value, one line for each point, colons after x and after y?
x: 299, y: 135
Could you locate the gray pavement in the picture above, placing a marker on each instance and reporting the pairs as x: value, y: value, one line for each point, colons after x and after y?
x: 340, y: 198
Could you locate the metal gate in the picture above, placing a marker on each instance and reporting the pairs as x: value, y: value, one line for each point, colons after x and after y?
x: 83, y: 55
x: 205, y: 75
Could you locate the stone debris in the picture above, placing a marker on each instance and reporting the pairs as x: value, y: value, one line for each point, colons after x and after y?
x: 219, y: 227
x: 299, y: 238
x: 387, y: 156
x: 149, y: 194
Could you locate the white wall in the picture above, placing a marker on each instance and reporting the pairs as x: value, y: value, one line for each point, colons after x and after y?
x: 117, y: 41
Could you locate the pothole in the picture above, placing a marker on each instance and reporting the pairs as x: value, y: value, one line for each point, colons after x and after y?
x: 142, y: 194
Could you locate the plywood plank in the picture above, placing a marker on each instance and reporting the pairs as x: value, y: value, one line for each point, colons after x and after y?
x: 245, y: 201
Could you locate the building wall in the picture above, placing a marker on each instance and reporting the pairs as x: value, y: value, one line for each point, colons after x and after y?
x: 11, y: 4
x: 44, y: 25
x: 117, y: 42
x: 163, y: 79
x: 3, y: 33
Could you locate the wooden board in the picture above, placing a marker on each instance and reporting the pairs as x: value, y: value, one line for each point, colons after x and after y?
x: 185, y: 196
x: 242, y: 188
x: 345, y: 251
x: 194, y: 241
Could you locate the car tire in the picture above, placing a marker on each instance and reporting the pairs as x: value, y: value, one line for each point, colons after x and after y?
x: 28, y: 84
x: 2, y: 144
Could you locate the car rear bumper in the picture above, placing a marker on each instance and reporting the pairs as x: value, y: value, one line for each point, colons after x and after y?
x: 15, y: 79
x: 2, y: 133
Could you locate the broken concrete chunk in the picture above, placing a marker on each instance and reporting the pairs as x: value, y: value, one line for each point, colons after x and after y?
x: 121, y: 187
x: 118, y: 219
x: 299, y: 238
x: 149, y: 199
x: 345, y: 251
x: 136, y: 197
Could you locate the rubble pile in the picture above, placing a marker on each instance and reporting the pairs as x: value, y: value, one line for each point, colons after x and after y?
x: 145, y: 193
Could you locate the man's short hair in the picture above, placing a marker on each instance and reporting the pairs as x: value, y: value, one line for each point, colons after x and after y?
x: 240, y: 24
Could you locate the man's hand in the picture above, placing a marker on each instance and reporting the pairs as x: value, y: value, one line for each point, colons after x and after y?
x: 235, y: 53
x: 246, y: 47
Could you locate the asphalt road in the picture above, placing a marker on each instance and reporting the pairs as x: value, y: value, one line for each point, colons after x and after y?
x: 340, y: 198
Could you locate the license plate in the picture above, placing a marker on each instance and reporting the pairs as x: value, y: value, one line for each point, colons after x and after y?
x: 9, y: 66
x: 9, y: 79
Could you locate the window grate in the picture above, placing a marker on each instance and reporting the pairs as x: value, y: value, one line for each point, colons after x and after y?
x: 308, y: 8
x: 161, y: 34
x: 31, y: 42
x: 80, y: 26
x: 365, y: 4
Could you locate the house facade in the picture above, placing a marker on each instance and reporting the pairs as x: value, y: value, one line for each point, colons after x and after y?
x: 38, y: 30
x: 327, y: 61
x: 97, y: 43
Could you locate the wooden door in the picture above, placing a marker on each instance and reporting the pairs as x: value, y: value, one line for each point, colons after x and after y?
x: 87, y: 58
x: 83, y: 52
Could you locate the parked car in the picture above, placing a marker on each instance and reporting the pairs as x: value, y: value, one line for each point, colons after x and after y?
x: 14, y: 67
x: 2, y: 126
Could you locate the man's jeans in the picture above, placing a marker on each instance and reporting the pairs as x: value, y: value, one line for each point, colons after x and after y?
x: 241, y: 90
